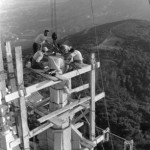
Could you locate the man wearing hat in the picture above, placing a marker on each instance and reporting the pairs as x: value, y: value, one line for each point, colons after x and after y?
x: 74, y: 59
x: 38, y: 56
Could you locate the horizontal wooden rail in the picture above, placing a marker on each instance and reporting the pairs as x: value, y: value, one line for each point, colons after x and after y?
x: 64, y: 109
x: 69, y: 107
x: 39, y: 86
x: 80, y: 88
x: 86, y: 105
x: 40, y: 129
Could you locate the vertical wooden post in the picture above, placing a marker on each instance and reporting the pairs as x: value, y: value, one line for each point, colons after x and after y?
x: 92, y: 101
x: 12, y: 79
x: 23, y: 110
x: 2, y: 82
x: 11, y: 70
x: 6, y: 135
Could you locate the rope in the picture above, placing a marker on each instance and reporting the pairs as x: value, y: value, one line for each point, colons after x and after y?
x: 55, y: 19
x: 101, y: 75
x: 53, y: 16
x: 109, y: 132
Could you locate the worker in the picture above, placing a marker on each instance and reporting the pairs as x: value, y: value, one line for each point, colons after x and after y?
x: 40, y: 40
x: 64, y: 50
x: 74, y: 59
x: 38, y: 56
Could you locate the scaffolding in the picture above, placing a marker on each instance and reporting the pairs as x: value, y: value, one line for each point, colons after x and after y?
x: 59, y: 124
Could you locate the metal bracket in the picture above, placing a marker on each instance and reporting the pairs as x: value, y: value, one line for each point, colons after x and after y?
x: 106, y: 135
x: 93, y: 63
x: 22, y: 88
x: 11, y: 75
x: 128, y: 144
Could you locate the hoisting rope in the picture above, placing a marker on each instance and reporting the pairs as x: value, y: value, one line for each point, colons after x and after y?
x: 53, y: 16
x: 54, y: 25
x: 101, y: 75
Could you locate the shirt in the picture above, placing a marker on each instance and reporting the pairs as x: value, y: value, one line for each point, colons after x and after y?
x: 38, y: 56
x: 40, y: 39
x: 76, y: 55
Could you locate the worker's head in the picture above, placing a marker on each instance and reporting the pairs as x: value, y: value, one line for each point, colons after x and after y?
x: 71, y: 50
x: 46, y: 32
x: 44, y: 50
x: 54, y: 36
x: 64, y: 49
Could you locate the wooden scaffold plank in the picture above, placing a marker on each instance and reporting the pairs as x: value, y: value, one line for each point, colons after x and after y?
x: 23, y: 109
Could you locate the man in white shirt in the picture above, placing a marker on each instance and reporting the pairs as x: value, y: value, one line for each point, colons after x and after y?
x: 39, y: 40
x: 38, y: 56
x: 74, y: 59
x: 75, y: 56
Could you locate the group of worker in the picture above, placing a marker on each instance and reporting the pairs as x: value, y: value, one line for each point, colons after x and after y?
x: 73, y: 58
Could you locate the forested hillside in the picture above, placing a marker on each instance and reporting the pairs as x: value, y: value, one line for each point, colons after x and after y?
x: 126, y: 76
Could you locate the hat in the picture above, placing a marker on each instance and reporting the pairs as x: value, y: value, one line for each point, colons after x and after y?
x: 65, y: 48
x: 45, y: 49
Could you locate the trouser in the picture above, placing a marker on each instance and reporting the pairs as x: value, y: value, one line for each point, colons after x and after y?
x: 76, y: 64
x: 37, y: 65
x: 36, y: 47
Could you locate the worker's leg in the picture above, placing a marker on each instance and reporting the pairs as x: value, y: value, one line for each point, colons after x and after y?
x: 37, y: 65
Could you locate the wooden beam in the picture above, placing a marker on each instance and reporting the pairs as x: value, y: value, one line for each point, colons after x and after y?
x: 42, y: 112
x: 80, y: 116
x: 55, y: 120
x: 64, y: 109
x: 84, y: 142
x: 40, y: 129
x: 2, y: 82
x: 32, y: 133
x: 80, y: 88
x: 23, y: 110
x: 11, y: 71
x: 12, y: 79
x: 79, y: 124
x: 86, y: 105
x: 43, y: 102
x: 92, y: 101
x: 47, y: 83
x: 77, y: 89
x: 99, y: 139
x: 15, y: 143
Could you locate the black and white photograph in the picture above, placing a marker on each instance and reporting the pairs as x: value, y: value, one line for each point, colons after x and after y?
x: 74, y: 74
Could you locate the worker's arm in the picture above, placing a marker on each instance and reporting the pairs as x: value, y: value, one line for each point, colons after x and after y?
x: 69, y: 59
x: 40, y: 57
